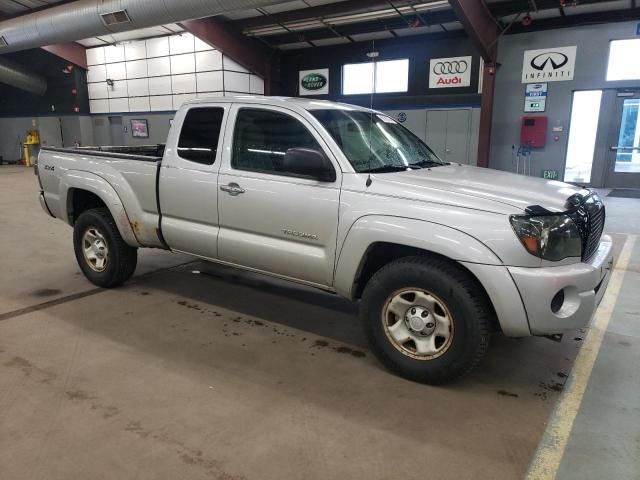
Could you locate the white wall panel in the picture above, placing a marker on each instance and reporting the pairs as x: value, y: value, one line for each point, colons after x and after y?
x: 183, y: 83
x: 157, y: 47
x: 97, y: 73
x: 160, y: 85
x: 139, y: 104
x: 201, y: 46
x: 229, y: 64
x: 118, y: 90
x: 114, y: 53
x: 99, y: 106
x: 98, y: 90
x: 178, y: 100
x: 185, y: 63
x: 206, y: 95
x: 159, y: 103
x: 182, y: 43
x: 137, y: 69
x: 209, y: 81
x: 159, y: 66
x: 135, y: 50
x: 95, y: 56
x: 116, y: 71
x: 209, y: 60
x: 118, y: 104
x: 256, y: 84
x: 236, y: 82
x: 138, y: 87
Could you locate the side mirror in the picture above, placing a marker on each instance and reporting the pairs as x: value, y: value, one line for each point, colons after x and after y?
x: 309, y: 163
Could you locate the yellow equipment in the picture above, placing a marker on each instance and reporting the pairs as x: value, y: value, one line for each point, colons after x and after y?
x: 33, y: 138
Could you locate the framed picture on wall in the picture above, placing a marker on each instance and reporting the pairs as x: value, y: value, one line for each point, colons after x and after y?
x: 139, y: 129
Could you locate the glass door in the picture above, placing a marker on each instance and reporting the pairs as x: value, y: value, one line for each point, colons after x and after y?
x: 623, y: 167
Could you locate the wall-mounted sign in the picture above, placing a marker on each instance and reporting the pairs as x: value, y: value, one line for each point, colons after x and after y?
x: 549, y: 65
x: 314, y: 82
x: 550, y: 174
x: 139, y: 129
x: 450, y: 72
x: 535, y: 97
x: 402, y: 117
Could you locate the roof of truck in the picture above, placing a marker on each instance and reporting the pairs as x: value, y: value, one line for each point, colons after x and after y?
x: 302, y: 103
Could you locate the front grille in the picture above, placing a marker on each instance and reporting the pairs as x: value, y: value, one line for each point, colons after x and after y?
x: 589, y: 218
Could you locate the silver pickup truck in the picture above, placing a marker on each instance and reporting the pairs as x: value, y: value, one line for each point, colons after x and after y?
x: 347, y: 200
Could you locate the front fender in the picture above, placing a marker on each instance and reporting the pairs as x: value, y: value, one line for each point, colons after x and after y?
x: 409, y: 232
x: 97, y: 185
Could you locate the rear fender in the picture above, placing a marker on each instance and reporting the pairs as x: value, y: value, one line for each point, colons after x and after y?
x: 97, y: 185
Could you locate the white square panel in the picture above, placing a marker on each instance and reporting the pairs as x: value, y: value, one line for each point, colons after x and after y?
x: 138, y: 87
x: 230, y: 64
x: 116, y: 71
x: 139, y: 104
x: 114, y: 53
x: 160, y: 103
x: 159, y: 85
x: 97, y: 90
x: 209, y: 60
x: 201, y: 46
x: 95, y: 56
x: 99, y: 106
x: 118, y: 90
x: 236, y: 82
x: 183, y: 83
x: 178, y: 100
x: 159, y: 66
x: 209, y: 94
x: 118, y: 105
x: 136, y: 69
x: 256, y: 84
x: 209, y: 81
x: 157, y: 47
x: 97, y: 73
x: 135, y: 50
x: 182, y: 43
x: 185, y: 63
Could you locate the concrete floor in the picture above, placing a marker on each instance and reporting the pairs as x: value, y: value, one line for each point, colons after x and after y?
x: 196, y: 371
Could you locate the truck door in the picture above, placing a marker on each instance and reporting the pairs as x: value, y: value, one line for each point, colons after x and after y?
x: 189, y: 180
x: 270, y: 219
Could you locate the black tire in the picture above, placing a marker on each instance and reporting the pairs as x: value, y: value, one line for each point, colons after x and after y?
x: 469, y: 308
x: 121, y: 260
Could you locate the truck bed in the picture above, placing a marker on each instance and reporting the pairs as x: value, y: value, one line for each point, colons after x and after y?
x: 147, y: 153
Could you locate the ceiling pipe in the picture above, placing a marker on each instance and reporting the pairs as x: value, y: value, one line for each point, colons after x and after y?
x: 16, y: 76
x: 90, y: 18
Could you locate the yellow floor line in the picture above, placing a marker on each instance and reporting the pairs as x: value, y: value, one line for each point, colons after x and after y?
x: 547, y: 459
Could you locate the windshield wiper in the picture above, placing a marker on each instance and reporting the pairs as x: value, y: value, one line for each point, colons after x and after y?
x: 427, y: 163
x: 388, y: 168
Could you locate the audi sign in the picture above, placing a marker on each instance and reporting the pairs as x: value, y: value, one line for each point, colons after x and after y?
x: 450, y: 72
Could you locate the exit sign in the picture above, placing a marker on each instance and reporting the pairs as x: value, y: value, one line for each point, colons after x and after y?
x: 550, y: 174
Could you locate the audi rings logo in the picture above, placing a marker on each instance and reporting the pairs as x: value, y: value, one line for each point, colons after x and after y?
x: 450, y: 67
x: 554, y: 59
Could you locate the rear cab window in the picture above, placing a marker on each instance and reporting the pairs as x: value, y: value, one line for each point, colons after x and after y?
x: 200, y: 134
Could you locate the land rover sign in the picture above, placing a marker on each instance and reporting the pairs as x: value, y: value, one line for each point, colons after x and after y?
x: 314, y: 82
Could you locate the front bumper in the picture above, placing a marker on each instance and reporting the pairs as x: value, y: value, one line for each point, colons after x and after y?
x: 583, y: 285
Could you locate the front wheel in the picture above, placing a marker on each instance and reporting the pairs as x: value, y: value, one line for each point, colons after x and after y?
x: 103, y: 256
x: 426, y: 319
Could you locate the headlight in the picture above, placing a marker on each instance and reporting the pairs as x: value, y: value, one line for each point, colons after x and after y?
x: 552, y: 237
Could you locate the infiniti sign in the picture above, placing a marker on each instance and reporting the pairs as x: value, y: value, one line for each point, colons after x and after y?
x: 549, y: 65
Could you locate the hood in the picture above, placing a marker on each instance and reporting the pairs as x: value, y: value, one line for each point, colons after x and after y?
x: 473, y: 187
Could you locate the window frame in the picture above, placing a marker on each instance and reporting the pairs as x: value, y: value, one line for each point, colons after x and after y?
x: 375, y: 64
x: 606, y: 72
x: 220, y: 133
x: 322, y: 147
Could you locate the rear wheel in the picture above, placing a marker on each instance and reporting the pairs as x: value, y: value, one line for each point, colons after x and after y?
x: 426, y: 319
x: 103, y: 256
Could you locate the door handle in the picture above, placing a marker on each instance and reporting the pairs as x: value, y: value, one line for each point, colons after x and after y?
x: 232, y: 189
x: 616, y: 148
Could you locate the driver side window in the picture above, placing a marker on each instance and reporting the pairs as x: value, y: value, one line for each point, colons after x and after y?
x: 262, y: 137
